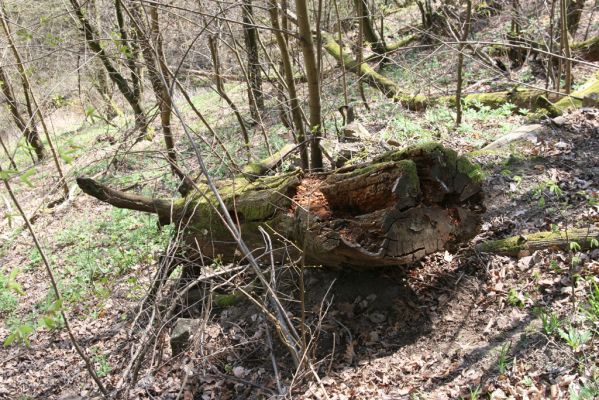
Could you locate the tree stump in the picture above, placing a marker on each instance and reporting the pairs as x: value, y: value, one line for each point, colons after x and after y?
x: 392, y: 211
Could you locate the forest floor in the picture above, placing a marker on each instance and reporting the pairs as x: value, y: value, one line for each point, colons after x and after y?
x: 453, y: 325
x: 464, y: 325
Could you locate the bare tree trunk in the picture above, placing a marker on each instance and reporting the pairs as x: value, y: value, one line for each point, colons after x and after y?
x: 565, y: 44
x: 550, y: 74
x: 131, y: 94
x: 132, y: 53
x: 305, y: 32
x: 31, y: 135
x: 290, y: 82
x: 152, y: 51
x: 343, y: 77
x: 360, y: 57
x: 516, y: 55
x: 99, y: 77
x: 220, y: 87
x: 38, y: 111
x: 575, y: 8
x: 370, y: 34
x: 458, y: 94
x: 253, y: 70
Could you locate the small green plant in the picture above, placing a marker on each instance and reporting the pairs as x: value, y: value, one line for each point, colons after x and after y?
x: 8, y: 288
x: 52, y: 319
x: 588, y: 391
x: 551, y: 322
x: 20, y: 334
x: 103, y: 367
x: 514, y: 299
x: 502, y: 359
x: 474, y: 394
x: 592, y: 307
x: 574, y: 337
x: 543, y: 189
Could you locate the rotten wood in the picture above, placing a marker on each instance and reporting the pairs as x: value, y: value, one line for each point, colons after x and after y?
x: 395, y: 210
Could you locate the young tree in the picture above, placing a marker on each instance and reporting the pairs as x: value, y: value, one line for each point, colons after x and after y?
x: 296, y: 113
x: 36, y: 109
x: 250, y: 33
x: 28, y: 129
x: 312, y: 75
x: 131, y: 94
x: 465, y: 33
x: 370, y: 34
x: 152, y: 49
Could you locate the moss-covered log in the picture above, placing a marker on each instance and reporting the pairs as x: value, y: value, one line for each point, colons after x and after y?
x: 371, y: 77
x: 392, y: 211
x: 587, y: 50
x: 524, y: 245
x: 589, y: 91
x: 523, y: 98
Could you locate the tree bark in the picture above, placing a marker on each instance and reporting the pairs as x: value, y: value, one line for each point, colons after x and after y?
x: 294, y: 103
x: 220, y: 88
x: 305, y: 32
x: 31, y: 135
x: 458, y: 92
x: 370, y: 34
x: 255, y: 95
x: 392, y: 211
x: 131, y: 94
x: 575, y: 8
x: 152, y: 50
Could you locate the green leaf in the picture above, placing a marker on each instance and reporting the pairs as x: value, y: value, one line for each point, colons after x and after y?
x: 12, y: 283
x: 541, y: 201
x: 66, y: 158
x: 48, y: 322
x: 55, y: 306
x: 574, y: 246
x: 25, y: 177
x: 10, y: 339
x: 5, y: 174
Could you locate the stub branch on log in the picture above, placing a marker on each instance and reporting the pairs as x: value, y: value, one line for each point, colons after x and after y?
x: 395, y: 210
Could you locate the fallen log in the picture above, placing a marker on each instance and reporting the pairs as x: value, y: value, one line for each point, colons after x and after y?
x: 587, y: 50
x: 531, y: 99
x: 525, y: 245
x: 395, y: 210
x: 588, y: 92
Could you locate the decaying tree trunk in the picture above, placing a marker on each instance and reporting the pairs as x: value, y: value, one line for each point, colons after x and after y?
x: 392, y: 211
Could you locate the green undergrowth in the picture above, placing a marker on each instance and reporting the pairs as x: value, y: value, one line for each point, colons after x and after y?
x: 481, y: 124
x: 95, y: 252
x: 90, y: 257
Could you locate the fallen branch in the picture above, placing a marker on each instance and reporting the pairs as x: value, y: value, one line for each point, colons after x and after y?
x: 524, y: 245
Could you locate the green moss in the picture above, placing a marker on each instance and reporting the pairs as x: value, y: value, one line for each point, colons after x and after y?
x: 250, y: 201
x: 404, y: 41
x: 227, y: 300
x: 572, y: 102
x: 516, y: 244
x: 466, y: 167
